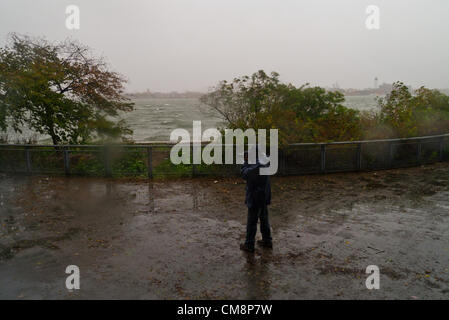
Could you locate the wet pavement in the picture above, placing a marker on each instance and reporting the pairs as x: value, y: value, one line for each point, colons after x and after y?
x: 179, y: 239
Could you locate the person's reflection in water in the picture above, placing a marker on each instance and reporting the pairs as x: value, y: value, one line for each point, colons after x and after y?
x: 257, y: 277
x: 195, y: 205
x: 110, y: 189
x: 150, y: 196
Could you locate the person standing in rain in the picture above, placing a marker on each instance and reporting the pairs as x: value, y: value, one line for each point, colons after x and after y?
x: 258, y: 196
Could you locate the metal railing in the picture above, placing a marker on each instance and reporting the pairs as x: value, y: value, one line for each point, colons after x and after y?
x: 152, y: 160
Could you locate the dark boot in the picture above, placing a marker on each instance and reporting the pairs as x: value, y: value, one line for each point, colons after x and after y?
x: 246, y: 248
x: 265, y: 244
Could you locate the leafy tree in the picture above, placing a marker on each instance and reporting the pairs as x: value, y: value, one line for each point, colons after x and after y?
x: 3, y: 125
x: 407, y: 114
x: 431, y: 111
x: 244, y: 99
x: 312, y: 102
x: 396, y: 110
x: 60, y: 90
x: 303, y: 114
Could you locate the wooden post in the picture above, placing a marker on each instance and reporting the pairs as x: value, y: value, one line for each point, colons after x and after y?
x: 441, y: 149
x: 323, y: 158
x: 150, y: 162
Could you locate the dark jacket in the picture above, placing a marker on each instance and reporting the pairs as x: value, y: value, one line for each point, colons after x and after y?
x: 258, y: 189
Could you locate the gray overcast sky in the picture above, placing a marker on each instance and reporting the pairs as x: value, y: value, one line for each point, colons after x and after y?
x: 182, y: 45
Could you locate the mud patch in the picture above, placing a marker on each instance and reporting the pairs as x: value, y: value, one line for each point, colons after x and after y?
x: 8, y: 252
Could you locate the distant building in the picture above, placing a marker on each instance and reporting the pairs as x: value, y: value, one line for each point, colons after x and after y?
x: 382, y: 89
x: 336, y: 86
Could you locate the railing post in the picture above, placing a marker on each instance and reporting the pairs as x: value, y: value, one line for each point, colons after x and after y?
x: 441, y: 148
x: 390, y: 155
x: 323, y: 158
x: 28, y: 159
x: 359, y: 156
x: 150, y: 162
x: 418, y: 152
x: 66, y: 157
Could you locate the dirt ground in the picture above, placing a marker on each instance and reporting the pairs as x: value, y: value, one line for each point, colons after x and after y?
x: 179, y: 239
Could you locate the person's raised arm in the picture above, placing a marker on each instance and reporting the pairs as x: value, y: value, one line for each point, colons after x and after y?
x: 249, y: 171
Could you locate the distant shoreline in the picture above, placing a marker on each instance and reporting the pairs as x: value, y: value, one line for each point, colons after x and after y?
x: 383, y: 90
x: 165, y: 95
x: 182, y: 96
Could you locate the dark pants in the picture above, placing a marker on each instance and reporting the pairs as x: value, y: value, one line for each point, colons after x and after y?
x: 251, y: 227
